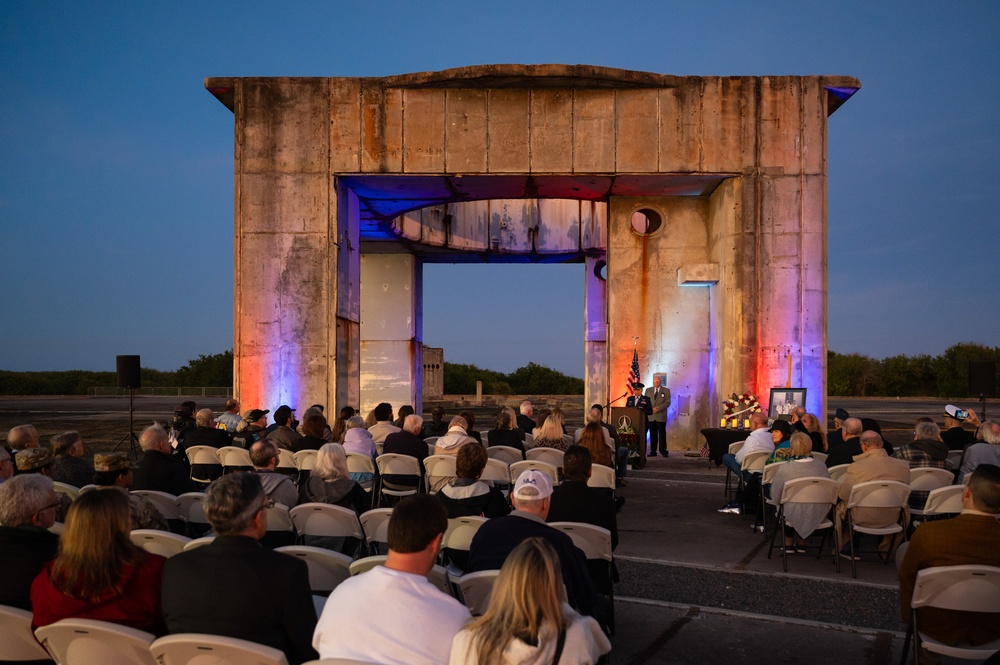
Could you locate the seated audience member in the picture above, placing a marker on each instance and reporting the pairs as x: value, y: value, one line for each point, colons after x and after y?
x: 467, y: 495
x: 114, y: 470
x: 815, y: 430
x: 781, y: 436
x: 525, y: 417
x: 340, y: 426
x: 926, y: 450
x: 954, y: 435
x: 795, y: 417
x: 277, y: 486
x: 69, y: 466
x: 370, y: 419
x: 539, y: 421
x: 871, y: 464
x: 760, y: 440
x: 158, y: 469
x: 550, y: 433
x: 594, y: 438
x: 405, y: 410
x: 528, y: 620
x: 317, y: 410
x: 99, y: 574
x: 314, y: 431
x: 21, y: 438
x: 513, y: 421
x: 575, y: 501
x: 6, y: 466
x: 329, y: 481
x: 454, y: 439
x: 27, y: 510
x: 503, y: 435
x: 407, y: 441
x: 39, y: 461
x: 392, y: 614
x: 470, y: 419
x: 252, y: 429
x: 233, y: 586
x: 801, y: 518
x: 205, y: 433
x: 872, y: 425
x: 620, y: 453
x: 230, y: 418
x: 835, y: 437
x: 437, y: 425
x: 357, y: 440
x: 973, y: 537
x: 845, y: 452
x: 383, y: 426
x: 985, y: 452
x: 531, y: 496
x: 184, y: 420
x: 282, y: 433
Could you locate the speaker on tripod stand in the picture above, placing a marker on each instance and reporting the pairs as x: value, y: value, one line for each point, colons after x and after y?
x: 129, y: 378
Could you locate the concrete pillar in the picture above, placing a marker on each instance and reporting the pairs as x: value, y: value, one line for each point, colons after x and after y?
x: 595, y: 334
x: 391, y: 330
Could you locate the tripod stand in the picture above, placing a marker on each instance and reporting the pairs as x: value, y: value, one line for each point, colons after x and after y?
x: 133, y: 440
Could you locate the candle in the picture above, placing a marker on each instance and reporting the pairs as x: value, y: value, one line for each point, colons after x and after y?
x: 723, y: 425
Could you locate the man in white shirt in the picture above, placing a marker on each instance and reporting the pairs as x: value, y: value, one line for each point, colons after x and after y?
x: 391, y: 614
x: 760, y: 440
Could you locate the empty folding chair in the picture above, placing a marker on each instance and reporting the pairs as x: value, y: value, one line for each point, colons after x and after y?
x: 86, y: 641
x: 395, y: 464
x: 595, y: 542
x: 375, y: 524
x: 457, y: 540
x: 164, y: 543
x: 517, y: 468
x: 733, y: 449
x: 205, y: 462
x: 766, y: 479
x: 922, y: 481
x: 360, y: 463
x: 837, y: 472
x: 198, y: 542
x: 329, y: 526
x: 496, y: 471
x: 16, y: 639
x: 234, y: 458
x: 327, y: 569
x: 439, y: 471
x: 944, y: 502
x: 201, y: 649
x: 476, y: 589
x: 189, y: 506
x: 601, y: 476
x: 505, y: 453
x: 287, y: 464
x: 550, y: 455
x: 280, y: 527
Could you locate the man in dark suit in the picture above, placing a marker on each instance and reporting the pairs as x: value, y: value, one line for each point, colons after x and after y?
x: 235, y: 587
x: 158, y: 469
x: 971, y: 538
x: 574, y: 501
x: 407, y: 441
x: 846, y: 451
x: 659, y: 401
x: 525, y: 422
x: 27, y: 510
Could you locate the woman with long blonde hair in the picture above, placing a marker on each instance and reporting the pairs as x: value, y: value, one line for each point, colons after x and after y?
x: 550, y: 434
x: 815, y: 429
x: 528, y: 621
x: 99, y: 574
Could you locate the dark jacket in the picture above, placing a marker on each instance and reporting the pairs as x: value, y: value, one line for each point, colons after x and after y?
x: 506, y: 437
x: 466, y: 497
x: 310, y: 443
x: 957, y: 438
x: 75, y: 471
x: 205, y: 436
x: 574, y: 501
x: 163, y: 473
x: 525, y: 424
x: 24, y: 551
x: 432, y: 428
x: 236, y: 588
x: 405, y: 443
x: 844, y: 453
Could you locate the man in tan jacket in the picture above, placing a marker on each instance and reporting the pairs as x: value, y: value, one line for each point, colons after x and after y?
x: 872, y: 464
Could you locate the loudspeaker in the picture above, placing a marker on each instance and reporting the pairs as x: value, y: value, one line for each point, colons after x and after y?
x: 982, y: 378
x: 128, y: 371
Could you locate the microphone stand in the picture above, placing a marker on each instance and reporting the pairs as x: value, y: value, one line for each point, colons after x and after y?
x: 616, y: 399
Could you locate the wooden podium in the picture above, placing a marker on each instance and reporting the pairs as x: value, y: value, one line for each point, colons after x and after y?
x: 623, y: 417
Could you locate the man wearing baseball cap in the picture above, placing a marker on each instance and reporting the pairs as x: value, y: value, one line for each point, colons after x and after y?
x: 114, y: 470
x: 499, y: 536
x: 954, y: 435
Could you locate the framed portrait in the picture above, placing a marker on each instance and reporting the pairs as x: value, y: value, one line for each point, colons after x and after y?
x: 783, y: 400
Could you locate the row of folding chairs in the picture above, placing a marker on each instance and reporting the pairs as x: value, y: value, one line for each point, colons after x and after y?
x: 234, y: 458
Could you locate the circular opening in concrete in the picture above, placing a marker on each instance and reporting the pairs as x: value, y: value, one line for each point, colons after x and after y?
x: 646, y: 221
x: 601, y: 270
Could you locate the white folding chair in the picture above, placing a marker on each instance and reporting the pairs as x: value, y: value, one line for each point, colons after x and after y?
x: 189, y: 506
x: 767, y: 478
x: 375, y: 523
x: 202, y: 455
x: 595, y: 542
x: 529, y: 439
x: 886, y: 494
x: 165, y: 502
x: 327, y: 569
x: 431, y: 441
x: 944, y: 501
x: 89, y: 642
x: 281, y: 531
x: 201, y: 649
x: 234, y: 458
x: 57, y: 528
x: 816, y: 491
x: 460, y: 531
x: 437, y: 575
x: 955, y: 458
x: 550, y: 455
x: 601, y: 476
x: 753, y: 464
x: 476, y: 590
x: 837, y: 472
x: 927, y: 479
x: 305, y: 460
x: 517, y: 468
x: 16, y: 639
x: 820, y: 456
x: 395, y: 464
x: 65, y: 488
x: 966, y: 588
x: 438, y: 469
x: 154, y: 541
x: 195, y: 543
x: 733, y: 449
x: 360, y: 463
x: 326, y: 520
x: 286, y: 462
x: 506, y: 454
x: 86, y: 488
x: 496, y: 471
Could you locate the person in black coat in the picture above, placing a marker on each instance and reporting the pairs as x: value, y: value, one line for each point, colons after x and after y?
x: 314, y: 428
x: 27, y: 508
x: 407, y: 441
x: 233, y: 586
x: 158, y: 469
x: 525, y: 422
x: 503, y: 435
x: 574, y: 501
x: 844, y: 453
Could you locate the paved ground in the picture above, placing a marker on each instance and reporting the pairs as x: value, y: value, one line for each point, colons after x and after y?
x: 696, y: 585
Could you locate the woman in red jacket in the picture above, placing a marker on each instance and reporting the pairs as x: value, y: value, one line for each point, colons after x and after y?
x: 99, y: 574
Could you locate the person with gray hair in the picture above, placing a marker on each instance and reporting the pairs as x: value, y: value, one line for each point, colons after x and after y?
x: 22, y: 437
x: 406, y: 442
x: 69, y: 465
x: 205, y: 433
x: 264, y: 457
x: 456, y: 437
x: 158, y: 469
x: 330, y: 482
x: 233, y: 586
x: 27, y: 509
x: 926, y: 450
x: 986, y: 451
x: 525, y: 417
x: 844, y: 453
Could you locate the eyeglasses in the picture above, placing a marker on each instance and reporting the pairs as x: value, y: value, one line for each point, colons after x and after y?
x: 51, y: 505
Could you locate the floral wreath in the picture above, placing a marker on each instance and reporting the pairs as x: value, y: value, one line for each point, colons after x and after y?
x: 738, y: 404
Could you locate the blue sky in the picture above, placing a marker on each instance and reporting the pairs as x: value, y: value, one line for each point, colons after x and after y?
x: 116, y: 166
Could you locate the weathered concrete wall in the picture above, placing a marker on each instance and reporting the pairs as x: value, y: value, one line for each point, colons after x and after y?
x: 433, y: 366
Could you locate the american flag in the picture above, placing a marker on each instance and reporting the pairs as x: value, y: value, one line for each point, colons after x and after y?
x: 633, y: 372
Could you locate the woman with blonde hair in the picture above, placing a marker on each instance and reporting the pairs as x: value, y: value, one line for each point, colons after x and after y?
x: 99, y: 574
x: 816, y: 434
x: 528, y: 621
x: 550, y: 434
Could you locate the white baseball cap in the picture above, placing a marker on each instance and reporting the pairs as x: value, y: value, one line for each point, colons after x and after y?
x: 539, y: 483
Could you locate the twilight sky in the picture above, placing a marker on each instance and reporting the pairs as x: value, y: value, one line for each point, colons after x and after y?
x: 116, y: 166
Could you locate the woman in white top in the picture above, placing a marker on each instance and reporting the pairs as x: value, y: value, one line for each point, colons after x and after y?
x: 528, y: 621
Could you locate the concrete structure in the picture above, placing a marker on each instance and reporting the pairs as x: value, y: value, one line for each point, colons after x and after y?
x: 433, y: 372
x: 697, y: 204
